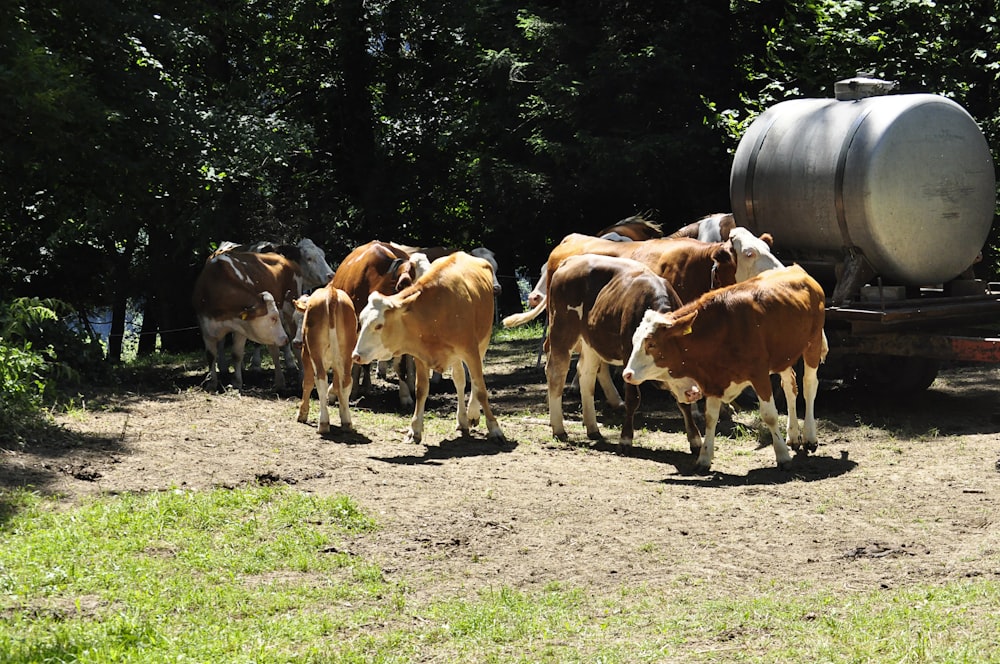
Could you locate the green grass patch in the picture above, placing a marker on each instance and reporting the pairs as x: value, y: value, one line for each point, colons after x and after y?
x: 263, y: 574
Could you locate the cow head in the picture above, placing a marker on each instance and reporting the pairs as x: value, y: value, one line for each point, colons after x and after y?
x: 316, y: 271
x: 753, y: 254
x: 657, y: 355
x: 301, y: 303
x: 382, y: 331
x: 402, y: 272
x: 724, y: 265
x: 263, y: 321
x: 489, y: 257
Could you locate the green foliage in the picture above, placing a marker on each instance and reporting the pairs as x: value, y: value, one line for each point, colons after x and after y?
x: 38, y: 354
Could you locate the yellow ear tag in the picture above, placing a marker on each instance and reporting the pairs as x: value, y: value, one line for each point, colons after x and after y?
x: 689, y: 330
x: 243, y: 315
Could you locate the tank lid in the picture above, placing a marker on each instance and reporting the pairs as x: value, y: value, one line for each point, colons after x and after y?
x: 862, y: 86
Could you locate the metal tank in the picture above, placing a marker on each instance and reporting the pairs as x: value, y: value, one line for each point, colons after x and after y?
x: 900, y: 186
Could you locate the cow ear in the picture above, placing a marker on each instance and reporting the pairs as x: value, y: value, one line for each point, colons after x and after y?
x: 684, y: 323
x: 724, y: 254
x: 766, y: 237
x: 409, y: 299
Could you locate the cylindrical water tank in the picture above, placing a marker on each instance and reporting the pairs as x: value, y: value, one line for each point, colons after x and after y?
x: 906, y: 180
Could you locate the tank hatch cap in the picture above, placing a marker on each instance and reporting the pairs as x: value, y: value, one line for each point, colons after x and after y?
x: 862, y: 86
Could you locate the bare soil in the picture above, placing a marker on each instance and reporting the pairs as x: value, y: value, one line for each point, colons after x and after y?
x: 900, y: 492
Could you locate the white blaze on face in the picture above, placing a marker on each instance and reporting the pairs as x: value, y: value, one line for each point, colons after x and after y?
x: 641, y: 366
x: 753, y: 255
x: 371, y: 346
x: 267, y: 329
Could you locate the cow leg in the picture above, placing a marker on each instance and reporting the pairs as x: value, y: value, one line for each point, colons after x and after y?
x: 810, y: 386
x: 556, y: 367
x: 405, y: 371
x: 475, y: 408
x: 323, y: 396
x: 279, y: 375
x: 479, y: 390
x: 458, y: 376
x: 340, y: 386
x: 611, y: 396
x: 791, y: 389
x: 632, y: 398
x: 239, y: 346
x: 712, y: 407
x: 769, y: 413
x: 690, y: 427
x: 416, y: 432
x: 587, y: 368
x: 308, y: 380
x: 255, y: 363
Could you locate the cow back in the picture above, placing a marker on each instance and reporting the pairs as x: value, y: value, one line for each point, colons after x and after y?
x: 375, y: 267
x: 232, y: 281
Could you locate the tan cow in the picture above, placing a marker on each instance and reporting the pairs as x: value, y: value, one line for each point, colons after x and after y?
x: 737, y: 336
x: 444, y: 320
x: 329, y: 333
x: 243, y: 293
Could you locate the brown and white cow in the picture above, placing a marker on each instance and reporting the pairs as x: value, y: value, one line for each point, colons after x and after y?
x: 315, y: 271
x: 691, y: 266
x: 242, y: 293
x: 753, y: 253
x: 329, y: 333
x: 710, y: 228
x: 444, y: 320
x: 375, y: 267
x: 595, y: 305
x: 734, y: 337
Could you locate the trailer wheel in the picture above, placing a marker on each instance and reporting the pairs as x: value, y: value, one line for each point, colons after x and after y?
x: 895, y: 375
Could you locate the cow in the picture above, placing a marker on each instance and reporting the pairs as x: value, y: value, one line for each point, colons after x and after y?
x: 595, y: 305
x: 329, y: 332
x: 737, y: 336
x: 691, y: 266
x: 635, y: 228
x: 375, y: 267
x: 710, y: 228
x: 315, y: 272
x: 445, y: 319
x: 753, y: 253
x: 243, y: 293
x: 436, y: 253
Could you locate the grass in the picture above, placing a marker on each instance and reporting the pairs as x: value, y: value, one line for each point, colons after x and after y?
x: 265, y: 574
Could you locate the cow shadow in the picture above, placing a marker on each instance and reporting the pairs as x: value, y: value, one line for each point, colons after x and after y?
x: 453, y: 448
x: 804, y: 468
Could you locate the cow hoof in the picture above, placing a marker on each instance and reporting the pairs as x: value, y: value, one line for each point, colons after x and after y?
x: 785, y: 466
x: 595, y: 435
x: 323, y: 428
x: 700, y: 469
x: 302, y: 418
x: 496, y: 436
x: 412, y: 438
x: 811, y: 447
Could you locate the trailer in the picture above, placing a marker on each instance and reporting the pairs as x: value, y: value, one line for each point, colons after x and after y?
x: 887, y: 200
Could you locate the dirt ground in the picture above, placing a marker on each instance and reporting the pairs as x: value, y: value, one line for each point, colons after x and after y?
x: 900, y: 491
